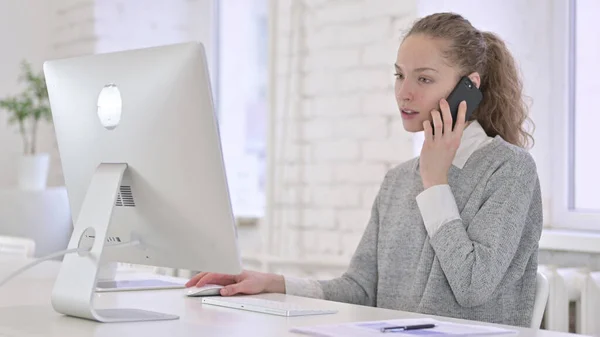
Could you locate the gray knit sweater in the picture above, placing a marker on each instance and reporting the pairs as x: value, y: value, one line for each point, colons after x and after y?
x: 480, y: 266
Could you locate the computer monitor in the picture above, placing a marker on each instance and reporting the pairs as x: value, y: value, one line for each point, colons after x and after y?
x: 142, y: 162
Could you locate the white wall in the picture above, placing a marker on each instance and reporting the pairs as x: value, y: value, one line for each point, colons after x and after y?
x: 337, y: 122
x: 130, y: 24
x: 25, y: 32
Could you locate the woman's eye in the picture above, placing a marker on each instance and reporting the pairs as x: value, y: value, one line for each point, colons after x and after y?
x: 424, y: 80
x: 399, y: 76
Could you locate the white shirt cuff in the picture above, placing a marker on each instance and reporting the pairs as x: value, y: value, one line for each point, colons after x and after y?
x: 438, y: 207
x: 303, y: 287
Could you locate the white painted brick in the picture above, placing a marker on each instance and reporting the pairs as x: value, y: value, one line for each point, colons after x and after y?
x: 310, y: 23
x: 335, y: 151
x: 287, y: 70
x: 295, y: 153
x: 286, y: 132
x: 381, y: 54
x: 291, y: 196
x: 325, y: 38
x: 251, y: 240
x: 353, y: 35
x: 380, y: 103
x: 329, y: 243
x: 308, y: 107
x: 369, y: 32
x: 349, y: 242
x: 336, y: 196
x: 319, y: 243
x: 359, y: 173
x: 285, y: 116
x: 284, y: 7
x: 306, y: 196
x: 365, y: 80
x: 401, y: 26
x: 74, y: 48
x: 372, y: 128
x: 284, y: 21
x: 318, y: 218
x: 292, y: 133
x: 317, y: 129
x: 353, y: 220
x: 285, y: 49
x: 290, y: 89
x: 346, y: 97
x: 286, y: 216
x: 291, y: 244
x: 340, y: 12
x: 334, y: 106
x: 369, y: 193
x: 385, y: 151
x: 286, y: 198
x: 74, y: 28
x: 289, y: 270
x: 285, y: 97
x: 66, y: 8
x: 332, y: 59
x: 319, y: 83
x: 315, y: 174
x: 289, y: 173
x: 314, y: 4
x: 385, y: 8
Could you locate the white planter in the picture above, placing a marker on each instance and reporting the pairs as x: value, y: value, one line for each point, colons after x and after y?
x: 33, y: 171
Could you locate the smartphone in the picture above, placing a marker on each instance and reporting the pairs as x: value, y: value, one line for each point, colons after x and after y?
x: 465, y: 90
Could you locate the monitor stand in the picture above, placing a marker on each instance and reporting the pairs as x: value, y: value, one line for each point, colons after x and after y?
x: 74, y: 289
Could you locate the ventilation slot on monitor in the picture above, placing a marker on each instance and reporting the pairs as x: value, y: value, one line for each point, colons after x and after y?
x: 125, y: 197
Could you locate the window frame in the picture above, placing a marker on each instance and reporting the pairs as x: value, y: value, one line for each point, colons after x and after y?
x: 244, y: 214
x: 563, y: 213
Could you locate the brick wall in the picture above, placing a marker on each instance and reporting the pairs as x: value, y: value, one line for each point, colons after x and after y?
x: 339, y: 130
x: 73, y: 28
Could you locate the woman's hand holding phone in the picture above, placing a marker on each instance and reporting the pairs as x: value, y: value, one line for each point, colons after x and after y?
x: 441, y: 144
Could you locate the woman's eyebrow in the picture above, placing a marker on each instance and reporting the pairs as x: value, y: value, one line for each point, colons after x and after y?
x: 418, y: 70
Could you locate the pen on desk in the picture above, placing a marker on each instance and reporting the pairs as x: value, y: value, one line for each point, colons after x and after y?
x: 407, y: 327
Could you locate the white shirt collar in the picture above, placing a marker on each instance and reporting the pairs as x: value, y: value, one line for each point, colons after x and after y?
x: 473, y: 138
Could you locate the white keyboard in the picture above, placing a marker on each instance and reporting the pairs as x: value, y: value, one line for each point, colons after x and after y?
x: 265, y: 306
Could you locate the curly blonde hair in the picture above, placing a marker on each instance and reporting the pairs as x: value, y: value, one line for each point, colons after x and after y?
x: 503, y: 110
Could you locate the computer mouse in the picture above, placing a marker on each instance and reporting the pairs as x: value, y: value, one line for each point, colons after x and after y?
x: 206, y: 290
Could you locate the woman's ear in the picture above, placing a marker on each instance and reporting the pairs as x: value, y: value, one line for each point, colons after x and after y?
x: 475, y: 78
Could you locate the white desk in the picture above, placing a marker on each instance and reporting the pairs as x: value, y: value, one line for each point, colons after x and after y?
x: 25, y: 310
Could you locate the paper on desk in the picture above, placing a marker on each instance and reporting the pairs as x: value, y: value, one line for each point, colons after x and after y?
x: 369, y: 329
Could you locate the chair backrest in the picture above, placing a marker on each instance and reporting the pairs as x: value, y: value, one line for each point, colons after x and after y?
x: 17, y: 246
x: 541, y: 299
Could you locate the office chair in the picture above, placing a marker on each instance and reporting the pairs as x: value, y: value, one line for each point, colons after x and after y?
x: 541, y: 298
x: 16, y: 246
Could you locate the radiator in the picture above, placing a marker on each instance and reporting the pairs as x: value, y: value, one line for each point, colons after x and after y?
x: 572, y: 285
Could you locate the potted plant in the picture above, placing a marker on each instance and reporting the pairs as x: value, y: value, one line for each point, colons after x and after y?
x: 26, y: 110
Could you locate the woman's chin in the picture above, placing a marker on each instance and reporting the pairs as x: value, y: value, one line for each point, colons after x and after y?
x: 411, y: 126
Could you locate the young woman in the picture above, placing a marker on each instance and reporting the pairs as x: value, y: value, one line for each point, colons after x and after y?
x: 455, y: 231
